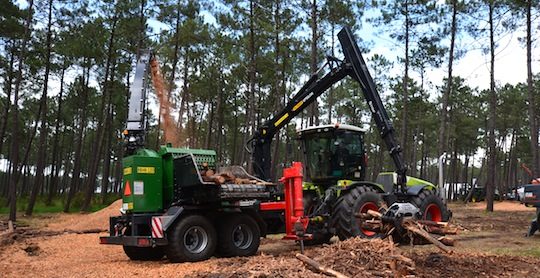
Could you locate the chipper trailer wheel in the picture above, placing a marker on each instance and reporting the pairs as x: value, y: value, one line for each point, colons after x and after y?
x: 238, y: 235
x: 191, y: 239
x: 431, y: 206
x: 359, y: 199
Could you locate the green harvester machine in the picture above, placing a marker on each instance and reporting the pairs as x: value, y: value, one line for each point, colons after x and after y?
x: 172, y: 207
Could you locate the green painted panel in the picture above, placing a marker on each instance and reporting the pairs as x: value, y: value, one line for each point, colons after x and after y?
x: 144, y: 174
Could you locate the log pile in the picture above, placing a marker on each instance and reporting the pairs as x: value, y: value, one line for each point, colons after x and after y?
x: 417, y: 231
x: 227, y: 177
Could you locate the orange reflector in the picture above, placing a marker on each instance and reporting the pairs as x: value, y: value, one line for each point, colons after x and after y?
x: 127, y: 189
x: 143, y: 242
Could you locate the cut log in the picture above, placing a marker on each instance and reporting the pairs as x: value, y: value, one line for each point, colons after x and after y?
x: 326, y: 270
x: 433, y: 223
x: 448, y: 241
x: 411, y: 227
x: 244, y: 181
x: 375, y: 214
x: 215, y: 179
x: 209, y: 173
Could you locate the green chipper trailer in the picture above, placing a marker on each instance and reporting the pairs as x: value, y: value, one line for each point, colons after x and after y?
x: 170, y: 207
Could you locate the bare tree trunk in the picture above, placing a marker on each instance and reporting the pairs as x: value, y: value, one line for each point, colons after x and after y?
x: 75, y: 177
x: 250, y: 107
x: 43, y: 130
x: 533, y: 125
x: 449, y: 82
x: 56, y: 166
x: 404, y: 112
x: 314, y: 107
x: 8, y: 89
x: 15, y: 137
x: 492, y: 158
x: 100, y: 133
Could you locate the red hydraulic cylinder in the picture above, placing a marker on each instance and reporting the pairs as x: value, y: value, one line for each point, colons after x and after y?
x: 294, y: 204
x: 295, y: 222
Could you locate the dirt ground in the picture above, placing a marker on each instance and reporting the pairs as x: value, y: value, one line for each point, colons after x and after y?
x: 490, y: 245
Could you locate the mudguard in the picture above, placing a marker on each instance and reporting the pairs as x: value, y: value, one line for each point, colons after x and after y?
x: 348, y: 186
x: 170, y: 216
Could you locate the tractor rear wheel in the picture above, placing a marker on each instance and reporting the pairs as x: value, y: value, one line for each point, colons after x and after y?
x: 191, y: 239
x: 431, y: 206
x: 144, y: 253
x: 359, y: 199
x: 239, y: 235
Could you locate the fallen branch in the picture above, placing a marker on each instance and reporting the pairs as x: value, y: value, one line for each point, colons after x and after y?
x: 427, y: 236
x: 326, y: 270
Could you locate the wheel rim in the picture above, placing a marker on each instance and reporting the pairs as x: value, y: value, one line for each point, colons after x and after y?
x: 365, y: 207
x: 242, y: 236
x: 196, y: 239
x: 433, y: 212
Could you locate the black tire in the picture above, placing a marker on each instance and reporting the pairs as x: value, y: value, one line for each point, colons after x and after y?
x: 431, y: 206
x: 144, y: 253
x: 239, y: 235
x: 351, y: 202
x: 191, y: 239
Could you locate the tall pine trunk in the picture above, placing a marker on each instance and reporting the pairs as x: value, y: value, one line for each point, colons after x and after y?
x: 404, y: 112
x: 79, y: 141
x: 43, y: 130
x: 448, y: 90
x: 314, y: 107
x: 492, y: 163
x: 15, y: 136
x: 55, y: 161
x: 531, y: 94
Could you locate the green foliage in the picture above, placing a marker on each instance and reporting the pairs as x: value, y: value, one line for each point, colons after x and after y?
x: 225, y: 61
x: 57, y: 204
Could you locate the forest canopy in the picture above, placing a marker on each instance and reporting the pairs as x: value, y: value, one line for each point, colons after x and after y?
x: 66, y: 68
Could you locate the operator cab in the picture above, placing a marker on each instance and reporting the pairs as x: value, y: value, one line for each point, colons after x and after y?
x: 334, y: 152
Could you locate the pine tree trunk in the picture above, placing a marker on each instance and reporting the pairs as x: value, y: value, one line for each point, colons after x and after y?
x: 314, y: 107
x: 56, y: 166
x: 8, y: 89
x: 492, y: 164
x: 43, y: 130
x: 404, y: 112
x: 448, y: 89
x: 75, y: 177
x: 533, y: 125
x: 100, y: 137
x: 15, y: 136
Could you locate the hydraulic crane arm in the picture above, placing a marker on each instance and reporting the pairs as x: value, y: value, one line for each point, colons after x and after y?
x: 262, y: 139
x: 354, y: 66
x: 360, y: 73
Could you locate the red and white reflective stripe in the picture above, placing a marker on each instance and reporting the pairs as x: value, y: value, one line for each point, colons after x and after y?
x: 157, y: 227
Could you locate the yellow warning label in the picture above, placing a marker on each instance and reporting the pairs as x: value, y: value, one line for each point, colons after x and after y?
x: 281, y: 119
x: 130, y: 205
x: 127, y: 171
x: 146, y: 170
x: 297, y: 106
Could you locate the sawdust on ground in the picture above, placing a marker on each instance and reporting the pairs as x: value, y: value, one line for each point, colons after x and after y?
x: 501, y: 206
x: 80, y: 255
x: 81, y: 221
